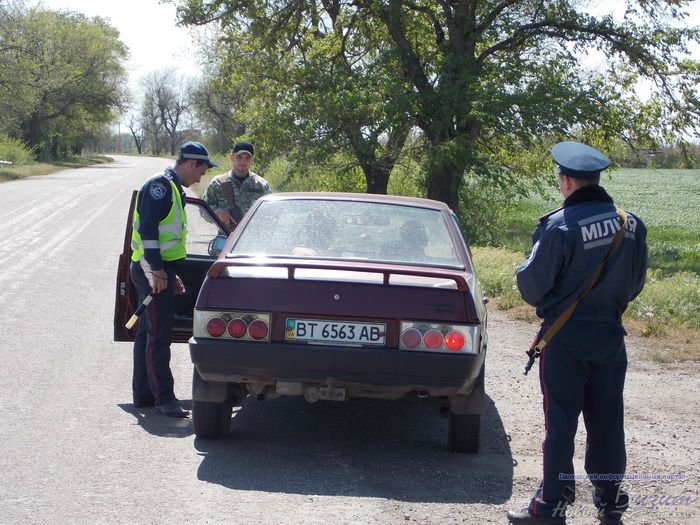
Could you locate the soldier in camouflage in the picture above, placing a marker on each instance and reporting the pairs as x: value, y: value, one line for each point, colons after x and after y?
x: 231, y: 195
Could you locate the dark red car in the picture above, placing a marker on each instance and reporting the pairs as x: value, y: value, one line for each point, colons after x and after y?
x: 330, y: 296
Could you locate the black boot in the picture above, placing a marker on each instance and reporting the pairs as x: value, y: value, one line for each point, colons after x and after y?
x: 610, y: 519
x: 525, y: 517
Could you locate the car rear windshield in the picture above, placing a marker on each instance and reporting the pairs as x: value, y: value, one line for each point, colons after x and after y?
x: 351, y: 230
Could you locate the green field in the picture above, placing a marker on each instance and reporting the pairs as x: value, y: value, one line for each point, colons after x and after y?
x: 669, y: 203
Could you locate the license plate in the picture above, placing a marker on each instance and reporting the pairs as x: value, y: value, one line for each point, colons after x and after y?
x: 344, y: 332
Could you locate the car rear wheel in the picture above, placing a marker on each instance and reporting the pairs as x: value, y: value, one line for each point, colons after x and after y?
x: 464, y: 433
x: 211, y: 420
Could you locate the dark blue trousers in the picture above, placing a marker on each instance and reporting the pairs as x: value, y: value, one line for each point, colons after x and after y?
x: 152, y: 379
x: 583, y: 370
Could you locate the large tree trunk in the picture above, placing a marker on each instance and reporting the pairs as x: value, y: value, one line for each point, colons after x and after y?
x: 32, y: 135
x: 377, y: 179
x: 53, y: 148
x: 443, y: 181
x: 377, y: 167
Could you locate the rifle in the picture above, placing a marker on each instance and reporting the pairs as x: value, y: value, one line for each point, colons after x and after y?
x: 533, y: 353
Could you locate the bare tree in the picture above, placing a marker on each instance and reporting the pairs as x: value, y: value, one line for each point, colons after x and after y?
x: 151, y: 126
x: 137, y: 132
x: 167, y: 98
x: 216, y: 105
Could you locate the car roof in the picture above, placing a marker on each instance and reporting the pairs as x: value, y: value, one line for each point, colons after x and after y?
x: 359, y: 197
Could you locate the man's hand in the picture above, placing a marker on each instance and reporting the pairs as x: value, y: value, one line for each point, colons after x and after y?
x: 226, y: 218
x: 158, y: 280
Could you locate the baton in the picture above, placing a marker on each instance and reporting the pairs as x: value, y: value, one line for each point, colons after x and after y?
x: 131, y: 322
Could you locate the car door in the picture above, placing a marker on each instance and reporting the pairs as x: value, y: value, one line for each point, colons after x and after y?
x: 204, y: 228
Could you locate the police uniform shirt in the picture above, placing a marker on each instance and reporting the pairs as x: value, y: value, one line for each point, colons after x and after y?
x: 154, y: 203
x: 569, y: 244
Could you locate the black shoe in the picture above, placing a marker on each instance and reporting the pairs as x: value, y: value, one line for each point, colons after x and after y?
x: 611, y: 519
x: 172, y: 409
x: 525, y: 517
x: 144, y: 404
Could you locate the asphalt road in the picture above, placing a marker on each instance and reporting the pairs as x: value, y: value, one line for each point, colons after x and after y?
x: 74, y: 450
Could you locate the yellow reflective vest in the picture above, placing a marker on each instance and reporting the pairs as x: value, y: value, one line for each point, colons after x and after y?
x: 172, y: 231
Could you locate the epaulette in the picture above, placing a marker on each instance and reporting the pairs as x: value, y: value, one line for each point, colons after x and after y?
x: 550, y: 213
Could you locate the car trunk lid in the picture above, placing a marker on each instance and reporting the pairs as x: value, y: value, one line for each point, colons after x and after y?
x: 327, y: 290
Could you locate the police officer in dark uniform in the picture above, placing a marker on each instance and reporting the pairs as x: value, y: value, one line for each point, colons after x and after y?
x: 582, y: 369
x: 159, y: 241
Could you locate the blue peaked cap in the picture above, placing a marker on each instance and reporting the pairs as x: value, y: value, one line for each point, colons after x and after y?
x: 196, y: 151
x: 578, y: 160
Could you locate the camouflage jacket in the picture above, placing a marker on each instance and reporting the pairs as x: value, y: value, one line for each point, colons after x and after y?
x: 227, y: 192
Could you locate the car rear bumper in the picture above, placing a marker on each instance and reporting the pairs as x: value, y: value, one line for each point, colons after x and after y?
x: 267, y: 363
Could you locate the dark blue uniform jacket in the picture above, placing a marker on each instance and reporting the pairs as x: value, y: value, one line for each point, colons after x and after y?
x: 154, y: 202
x: 568, y: 245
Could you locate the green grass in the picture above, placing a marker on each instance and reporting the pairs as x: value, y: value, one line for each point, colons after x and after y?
x: 668, y: 301
x: 668, y: 201
x: 496, y: 271
x: 8, y: 173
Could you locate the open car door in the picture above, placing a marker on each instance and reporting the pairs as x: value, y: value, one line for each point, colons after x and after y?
x: 204, y: 231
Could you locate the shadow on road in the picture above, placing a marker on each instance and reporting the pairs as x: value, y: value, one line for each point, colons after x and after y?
x: 363, y: 448
x: 160, y: 425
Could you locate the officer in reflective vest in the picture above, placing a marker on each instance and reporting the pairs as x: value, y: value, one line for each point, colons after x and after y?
x: 158, y: 242
x: 582, y: 368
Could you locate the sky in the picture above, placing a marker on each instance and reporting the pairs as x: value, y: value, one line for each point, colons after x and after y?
x: 147, y: 28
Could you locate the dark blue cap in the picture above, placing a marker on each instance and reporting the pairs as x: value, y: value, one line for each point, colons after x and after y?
x: 578, y: 160
x: 196, y: 151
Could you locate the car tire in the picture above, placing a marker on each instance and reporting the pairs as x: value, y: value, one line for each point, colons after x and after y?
x: 211, y: 420
x: 464, y: 433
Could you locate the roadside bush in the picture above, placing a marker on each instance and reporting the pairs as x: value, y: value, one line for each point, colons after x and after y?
x: 496, y: 269
x: 485, y: 207
x: 407, y: 179
x: 15, y: 151
x: 338, y: 174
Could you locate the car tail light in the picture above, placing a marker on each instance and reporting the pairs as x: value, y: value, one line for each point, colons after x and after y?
x: 454, y: 341
x: 216, y: 327
x: 237, y: 328
x: 258, y: 329
x: 433, y: 339
x: 411, y: 338
x: 228, y: 325
x: 440, y: 337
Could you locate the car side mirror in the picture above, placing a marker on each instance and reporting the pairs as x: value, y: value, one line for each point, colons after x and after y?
x: 216, y: 245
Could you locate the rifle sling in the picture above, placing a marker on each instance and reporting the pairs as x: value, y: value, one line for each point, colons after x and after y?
x: 566, y: 314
